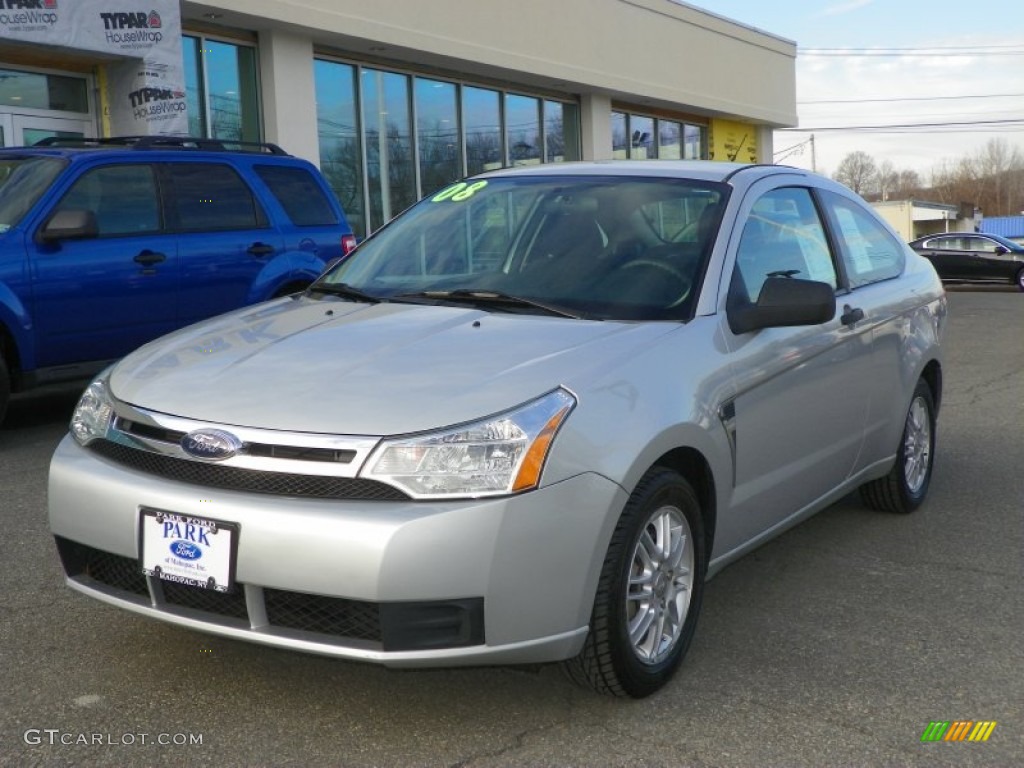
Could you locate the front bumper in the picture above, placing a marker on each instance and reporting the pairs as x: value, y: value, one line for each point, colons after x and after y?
x: 403, y: 583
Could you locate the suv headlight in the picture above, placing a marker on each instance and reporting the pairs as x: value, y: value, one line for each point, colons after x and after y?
x: 93, y: 413
x: 499, y: 455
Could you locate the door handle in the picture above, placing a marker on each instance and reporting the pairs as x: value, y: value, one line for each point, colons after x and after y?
x: 148, y: 258
x: 260, y: 249
x: 851, y: 315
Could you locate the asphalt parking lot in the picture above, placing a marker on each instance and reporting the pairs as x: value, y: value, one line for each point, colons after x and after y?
x: 836, y: 644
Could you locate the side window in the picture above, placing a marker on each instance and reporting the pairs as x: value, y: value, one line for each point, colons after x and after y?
x: 980, y: 244
x: 870, y: 253
x: 783, y: 237
x: 298, y: 193
x: 210, y: 197
x: 123, y: 198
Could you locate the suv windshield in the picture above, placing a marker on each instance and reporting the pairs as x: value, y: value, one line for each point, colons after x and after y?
x: 23, y: 179
x: 603, y: 247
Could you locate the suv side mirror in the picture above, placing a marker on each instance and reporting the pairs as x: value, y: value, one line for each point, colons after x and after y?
x: 71, y: 224
x: 784, y: 301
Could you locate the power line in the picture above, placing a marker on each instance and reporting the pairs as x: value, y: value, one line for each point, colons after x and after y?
x: 914, y: 98
x: 1015, y: 123
x: 945, y: 52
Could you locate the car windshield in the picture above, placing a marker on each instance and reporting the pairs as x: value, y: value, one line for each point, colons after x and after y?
x: 618, y: 248
x: 1007, y: 243
x: 23, y: 178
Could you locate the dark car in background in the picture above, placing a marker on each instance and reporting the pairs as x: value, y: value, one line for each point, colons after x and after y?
x: 106, y: 244
x: 973, y: 257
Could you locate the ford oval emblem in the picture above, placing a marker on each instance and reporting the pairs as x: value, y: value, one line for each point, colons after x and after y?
x: 211, y: 444
x: 186, y: 550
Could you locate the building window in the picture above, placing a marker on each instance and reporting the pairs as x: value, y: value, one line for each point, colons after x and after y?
x: 388, y: 138
x: 522, y: 125
x: 481, y: 114
x: 33, y: 90
x: 221, y: 89
x: 390, y: 171
x: 639, y: 137
x: 437, y: 134
x: 341, y: 153
x: 561, y: 132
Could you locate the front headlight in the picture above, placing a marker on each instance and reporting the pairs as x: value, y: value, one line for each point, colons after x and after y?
x: 499, y: 455
x: 93, y: 413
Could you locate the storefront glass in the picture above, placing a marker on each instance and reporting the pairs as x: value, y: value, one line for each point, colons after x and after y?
x: 341, y: 155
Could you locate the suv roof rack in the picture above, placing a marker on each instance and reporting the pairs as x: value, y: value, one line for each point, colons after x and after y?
x: 166, y: 142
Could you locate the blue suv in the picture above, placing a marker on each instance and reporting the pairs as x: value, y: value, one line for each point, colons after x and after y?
x: 106, y: 244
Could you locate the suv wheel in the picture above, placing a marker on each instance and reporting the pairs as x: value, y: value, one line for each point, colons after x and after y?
x: 649, y: 592
x: 906, y: 485
x: 5, y: 387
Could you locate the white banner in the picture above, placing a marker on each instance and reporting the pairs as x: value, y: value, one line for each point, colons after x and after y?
x: 146, y: 86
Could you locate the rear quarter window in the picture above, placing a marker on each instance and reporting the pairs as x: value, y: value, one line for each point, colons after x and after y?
x: 304, y: 201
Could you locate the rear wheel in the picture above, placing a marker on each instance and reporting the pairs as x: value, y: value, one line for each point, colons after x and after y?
x: 906, y: 485
x: 5, y: 387
x: 649, y: 592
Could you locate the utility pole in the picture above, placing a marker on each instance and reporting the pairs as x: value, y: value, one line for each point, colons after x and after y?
x: 814, y: 158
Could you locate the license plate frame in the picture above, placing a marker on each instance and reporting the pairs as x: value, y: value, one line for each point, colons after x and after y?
x: 193, y: 550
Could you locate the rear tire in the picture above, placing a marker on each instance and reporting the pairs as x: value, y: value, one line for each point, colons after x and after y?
x: 906, y: 485
x: 5, y: 387
x: 649, y: 592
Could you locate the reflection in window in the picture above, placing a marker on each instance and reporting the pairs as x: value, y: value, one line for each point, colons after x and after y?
x: 561, y: 132
x: 341, y: 156
x: 522, y: 121
x: 390, y: 173
x: 220, y: 85
x: 620, y: 141
x: 437, y: 134
x: 670, y: 140
x: 481, y: 114
x: 195, y: 91
x: 31, y: 90
x: 693, y: 142
x: 641, y: 138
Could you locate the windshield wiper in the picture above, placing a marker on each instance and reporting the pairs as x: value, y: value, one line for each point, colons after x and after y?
x: 346, y: 291
x: 490, y: 298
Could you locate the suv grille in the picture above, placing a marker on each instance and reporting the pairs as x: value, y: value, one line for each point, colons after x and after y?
x: 250, y: 480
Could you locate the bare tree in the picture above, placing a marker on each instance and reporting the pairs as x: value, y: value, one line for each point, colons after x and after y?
x: 858, y: 171
x: 888, y: 179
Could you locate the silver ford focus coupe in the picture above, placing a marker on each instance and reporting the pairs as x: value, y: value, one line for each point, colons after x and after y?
x: 523, y: 422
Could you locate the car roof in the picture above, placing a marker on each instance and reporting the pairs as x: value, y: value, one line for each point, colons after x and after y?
x: 707, y: 170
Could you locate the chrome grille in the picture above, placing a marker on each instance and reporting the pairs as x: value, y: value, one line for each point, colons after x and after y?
x: 249, y: 480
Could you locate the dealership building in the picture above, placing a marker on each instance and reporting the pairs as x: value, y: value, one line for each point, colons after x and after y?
x: 395, y: 98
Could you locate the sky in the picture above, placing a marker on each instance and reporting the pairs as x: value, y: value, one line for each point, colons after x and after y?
x: 965, y: 64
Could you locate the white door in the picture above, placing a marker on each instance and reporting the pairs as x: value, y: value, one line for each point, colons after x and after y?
x: 25, y: 130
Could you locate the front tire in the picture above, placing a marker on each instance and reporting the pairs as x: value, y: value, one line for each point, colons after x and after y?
x: 649, y: 593
x: 1019, y: 279
x: 904, y: 488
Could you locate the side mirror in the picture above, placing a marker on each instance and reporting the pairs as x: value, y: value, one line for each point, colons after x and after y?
x: 784, y: 301
x: 71, y: 224
x: 1001, y: 249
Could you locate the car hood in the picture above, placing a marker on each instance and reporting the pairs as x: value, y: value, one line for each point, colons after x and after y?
x: 339, y: 367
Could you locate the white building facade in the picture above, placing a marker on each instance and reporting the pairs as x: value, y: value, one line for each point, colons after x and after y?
x: 396, y: 98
